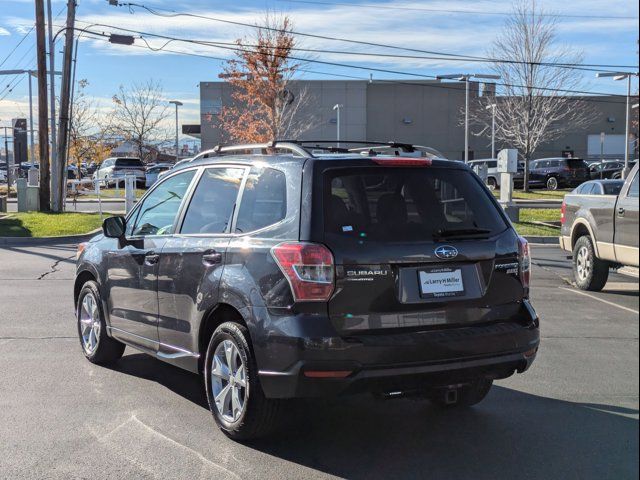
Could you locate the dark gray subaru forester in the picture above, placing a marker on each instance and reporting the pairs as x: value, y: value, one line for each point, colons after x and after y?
x: 279, y: 274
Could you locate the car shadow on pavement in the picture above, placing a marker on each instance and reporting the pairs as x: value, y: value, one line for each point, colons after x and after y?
x: 510, y: 434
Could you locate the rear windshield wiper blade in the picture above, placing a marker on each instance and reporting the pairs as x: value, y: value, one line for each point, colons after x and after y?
x: 462, y: 232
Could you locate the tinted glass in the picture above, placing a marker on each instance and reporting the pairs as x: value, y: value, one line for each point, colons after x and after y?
x: 264, y: 200
x: 633, y: 190
x: 406, y: 204
x: 611, y: 188
x: 213, y: 201
x: 157, y: 214
x: 576, y: 163
x: 493, y: 164
x: 129, y: 162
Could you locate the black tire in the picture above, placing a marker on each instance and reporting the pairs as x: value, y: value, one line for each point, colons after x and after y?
x: 593, y: 277
x: 552, y: 183
x: 467, y: 395
x: 260, y: 414
x: 492, y: 183
x: 107, y: 349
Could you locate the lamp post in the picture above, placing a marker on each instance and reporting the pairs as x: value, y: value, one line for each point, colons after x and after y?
x: 492, y: 107
x: 465, y: 77
x: 623, y: 76
x: 337, y: 108
x: 177, y: 104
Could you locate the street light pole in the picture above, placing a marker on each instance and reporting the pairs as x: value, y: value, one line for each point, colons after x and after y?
x: 623, y: 76
x: 337, y: 108
x: 465, y: 77
x: 493, y: 129
x: 177, y: 104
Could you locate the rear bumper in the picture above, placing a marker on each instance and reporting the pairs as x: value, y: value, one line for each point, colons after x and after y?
x: 397, y: 361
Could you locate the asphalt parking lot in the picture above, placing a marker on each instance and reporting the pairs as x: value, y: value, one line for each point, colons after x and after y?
x: 573, y: 415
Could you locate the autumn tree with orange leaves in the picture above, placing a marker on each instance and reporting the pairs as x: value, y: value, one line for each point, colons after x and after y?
x: 267, y: 104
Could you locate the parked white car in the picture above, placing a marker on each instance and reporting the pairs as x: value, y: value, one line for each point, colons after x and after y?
x: 115, y: 168
x: 493, y: 177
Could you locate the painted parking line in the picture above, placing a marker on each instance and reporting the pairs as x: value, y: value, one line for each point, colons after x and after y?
x: 579, y: 292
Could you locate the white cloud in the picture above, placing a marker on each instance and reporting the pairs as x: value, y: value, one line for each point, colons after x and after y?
x: 4, y: 32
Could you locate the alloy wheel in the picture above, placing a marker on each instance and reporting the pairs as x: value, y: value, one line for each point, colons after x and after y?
x: 90, y: 326
x: 584, y: 263
x: 228, y: 381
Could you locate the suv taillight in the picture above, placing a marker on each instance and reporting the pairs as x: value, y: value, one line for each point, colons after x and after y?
x: 309, y: 269
x: 524, y: 258
x: 563, y: 212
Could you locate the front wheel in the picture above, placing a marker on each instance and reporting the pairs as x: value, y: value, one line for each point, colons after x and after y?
x: 97, y: 346
x: 589, y: 272
x: 235, y: 396
x: 552, y: 183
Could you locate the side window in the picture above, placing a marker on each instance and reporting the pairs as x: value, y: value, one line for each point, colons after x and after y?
x: 213, y: 201
x: 633, y: 189
x: 264, y: 200
x: 157, y: 214
x: 493, y: 164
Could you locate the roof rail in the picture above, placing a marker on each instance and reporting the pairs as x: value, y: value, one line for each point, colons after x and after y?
x: 265, y: 148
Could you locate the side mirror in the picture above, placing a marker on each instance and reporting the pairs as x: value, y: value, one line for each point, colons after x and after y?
x: 114, y: 227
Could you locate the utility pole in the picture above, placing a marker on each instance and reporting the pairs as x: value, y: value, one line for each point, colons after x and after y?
x: 177, y: 104
x: 337, y: 108
x: 65, y: 93
x: 52, y: 100
x: 6, y: 156
x: 31, y: 142
x: 43, y: 123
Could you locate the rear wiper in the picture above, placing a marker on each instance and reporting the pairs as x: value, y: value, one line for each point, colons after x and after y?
x: 461, y: 232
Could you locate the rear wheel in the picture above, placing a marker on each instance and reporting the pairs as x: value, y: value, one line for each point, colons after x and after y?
x: 590, y: 273
x: 464, y: 396
x: 235, y: 396
x: 492, y: 183
x: 552, y: 183
x: 97, y: 346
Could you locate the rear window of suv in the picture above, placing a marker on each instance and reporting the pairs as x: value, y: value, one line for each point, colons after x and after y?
x: 406, y: 204
x: 129, y: 162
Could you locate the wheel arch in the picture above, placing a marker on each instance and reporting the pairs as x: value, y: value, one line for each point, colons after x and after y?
x: 582, y: 228
x: 82, y: 277
x: 214, y: 317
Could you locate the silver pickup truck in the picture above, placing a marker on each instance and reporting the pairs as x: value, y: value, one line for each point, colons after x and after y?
x: 602, y: 232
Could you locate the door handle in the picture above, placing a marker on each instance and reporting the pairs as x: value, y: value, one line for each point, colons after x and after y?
x: 621, y: 211
x: 211, y: 257
x: 151, y: 258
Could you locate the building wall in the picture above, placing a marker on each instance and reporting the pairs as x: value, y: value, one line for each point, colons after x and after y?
x: 419, y: 112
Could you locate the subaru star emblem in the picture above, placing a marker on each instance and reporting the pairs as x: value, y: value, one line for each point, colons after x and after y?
x: 446, y: 252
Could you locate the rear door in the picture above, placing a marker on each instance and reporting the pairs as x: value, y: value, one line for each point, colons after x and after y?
x: 192, y: 260
x: 417, y: 247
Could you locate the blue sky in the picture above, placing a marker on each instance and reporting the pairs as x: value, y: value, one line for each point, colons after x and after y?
x: 412, y: 24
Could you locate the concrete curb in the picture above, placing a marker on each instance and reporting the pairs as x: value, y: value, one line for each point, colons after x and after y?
x: 45, y: 241
x: 544, y: 240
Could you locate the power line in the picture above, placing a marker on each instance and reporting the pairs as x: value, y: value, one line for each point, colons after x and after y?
x: 24, y: 37
x: 396, y: 82
x: 344, y: 65
x: 173, y: 13
x: 443, y: 10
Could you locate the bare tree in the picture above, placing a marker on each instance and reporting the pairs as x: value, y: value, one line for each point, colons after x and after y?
x: 267, y: 103
x: 139, y: 116
x: 534, y: 107
x: 86, y: 134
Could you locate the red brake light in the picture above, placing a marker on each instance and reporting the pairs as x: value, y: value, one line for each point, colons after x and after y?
x: 403, y: 162
x: 563, y: 212
x: 309, y: 269
x: 524, y: 258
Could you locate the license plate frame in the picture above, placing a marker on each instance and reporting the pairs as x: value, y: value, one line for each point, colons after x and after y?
x: 445, y: 282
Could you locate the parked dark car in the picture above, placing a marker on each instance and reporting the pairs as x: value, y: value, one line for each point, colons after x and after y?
x: 601, y: 231
x: 287, y: 275
x: 606, y: 169
x: 554, y: 173
x: 599, y: 187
